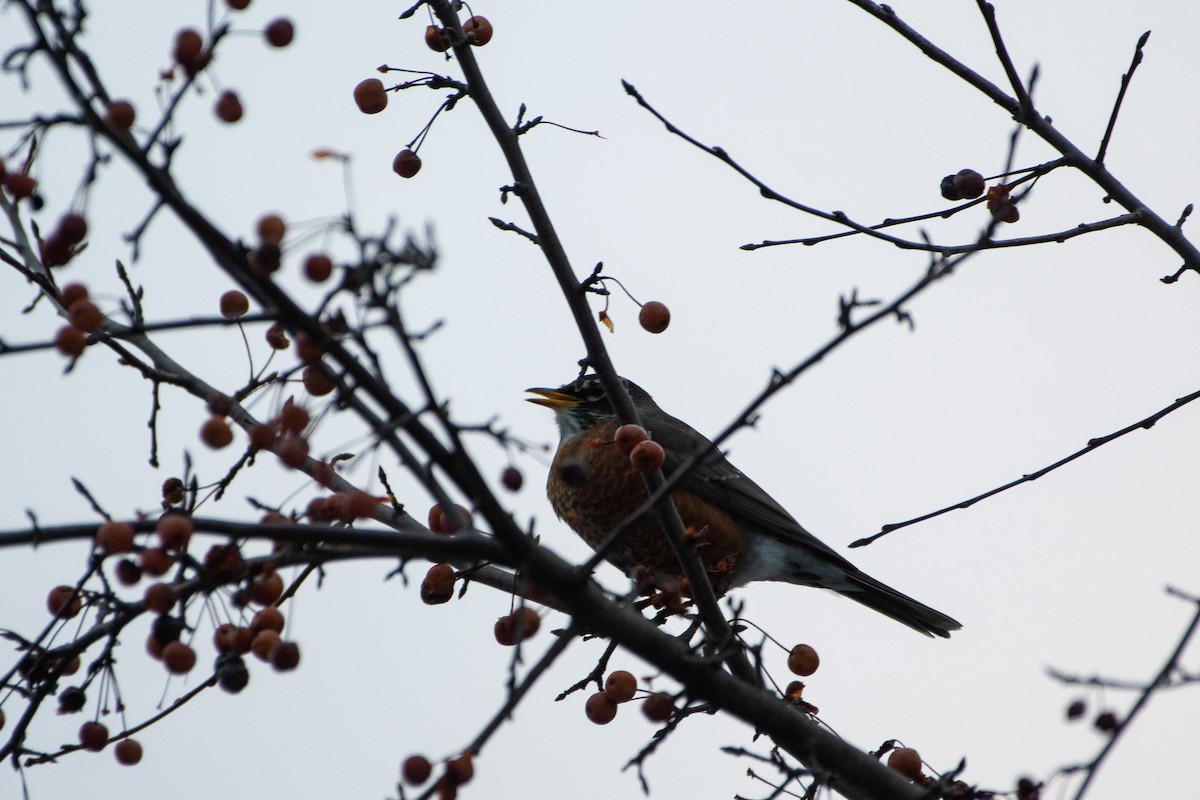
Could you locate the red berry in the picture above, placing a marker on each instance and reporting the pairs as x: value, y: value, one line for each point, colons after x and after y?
x: 155, y: 561
x: 658, y: 707
x: 654, y: 317
x: 178, y: 658
x: 128, y: 752
x: 600, y: 709
x: 271, y: 229
x: 906, y: 761
x: 229, y: 107
x: 438, y: 586
x: 73, y: 229
x: 969, y: 183
x: 269, y: 619
x: 19, y: 185
x: 318, y: 268
x: 188, y: 50
x: 436, y: 39
x: 159, y: 597
x: 629, y: 437
x: 647, y: 456
x: 316, y: 382
x: 120, y: 114
x: 478, y: 31
x: 512, y: 479
x: 216, y: 433
x: 280, y: 32
x: 84, y: 314
x: 93, y: 736
x: 238, y: 5
x: 406, y: 163
x: 803, y: 660
x: 174, y: 530
x: 370, y: 96
x: 416, y: 770
x: 620, y: 686
x: 115, y: 537
x: 234, y: 304
x: 285, y: 656
x: 70, y: 341
x: 64, y: 602
x: 128, y: 572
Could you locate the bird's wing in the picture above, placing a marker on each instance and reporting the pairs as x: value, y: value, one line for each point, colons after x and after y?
x: 717, y: 481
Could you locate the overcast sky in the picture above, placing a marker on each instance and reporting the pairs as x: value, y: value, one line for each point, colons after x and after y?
x: 1014, y: 362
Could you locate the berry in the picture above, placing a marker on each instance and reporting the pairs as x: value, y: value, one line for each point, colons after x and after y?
x: 264, y: 643
x: 71, y: 293
x: 266, y: 589
x: 460, y: 770
x: 285, y: 656
x: 93, y: 736
x: 647, y: 456
x: 316, y: 382
x: 64, y: 602
x: 654, y: 317
x: 115, y: 537
x: 1076, y: 709
x: 658, y: 707
x: 416, y: 770
x: 223, y: 562
x: 438, y: 585
x: 293, y: 418
x: 370, y: 96
x: 629, y: 437
x: 128, y: 572
x: 229, y: 107
x: 442, y: 522
x: 70, y: 341
x: 216, y: 433
x: 268, y: 619
x: 174, y: 530
x: 232, y: 674
x: 120, y: 114
x: 238, y: 5
x: 128, y: 752
x: 600, y: 709
x: 173, y: 491
x: 280, y: 32
x: 969, y: 183
x: 84, y: 314
x: 271, y: 229
x: 436, y: 39
x: 478, y: 31
x: 803, y: 660
x: 906, y: 761
x: 178, y: 658
x: 292, y: 450
x: 234, y: 304
x: 72, y: 228
x: 620, y: 686
x: 71, y: 700
x: 188, y: 47
x: 318, y: 268
x: 1106, y: 722
x: 512, y: 479
x: 19, y: 185
x: 155, y: 561
x: 166, y: 629
x: 406, y: 163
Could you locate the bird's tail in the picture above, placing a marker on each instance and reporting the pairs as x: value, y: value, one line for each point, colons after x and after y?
x: 900, y: 607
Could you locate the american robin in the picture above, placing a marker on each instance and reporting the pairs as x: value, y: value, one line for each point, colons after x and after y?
x: 743, y: 534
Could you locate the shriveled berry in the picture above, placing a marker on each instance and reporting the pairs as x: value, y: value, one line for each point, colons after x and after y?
x: 629, y: 437
x: 229, y: 107
x: 406, y: 163
x: 969, y: 183
x: 370, y: 96
x: 478, y: 30
x: 128, y: 752
x: 416, y: 770
x: 654, y: 316
x: 620, y: 686
x: 1106, y: 722
x: 438, y: 585
x: 280, y: 32
x: 658, y: 707
x: 647, y: 456
x: 600, y: 709
x: 71, y: 700
x: 120, y: 114
x: 93, y: 736
x: 232, y: 674
x: 277, y: 337
x: 64, y: 602
x: 803, y: 660
x: 906, y: 761
x: 128, y: 572
x: 115, y: 537
x: 1076, y: 709
x: 178, y: 658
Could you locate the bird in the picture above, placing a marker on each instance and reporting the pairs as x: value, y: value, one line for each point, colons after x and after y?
x: 742, y: 533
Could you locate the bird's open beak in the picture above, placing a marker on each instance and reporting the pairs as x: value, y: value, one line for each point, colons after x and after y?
x: 552, y: 398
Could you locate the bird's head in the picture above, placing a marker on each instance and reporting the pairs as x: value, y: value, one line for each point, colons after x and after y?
x: 582, y: 403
